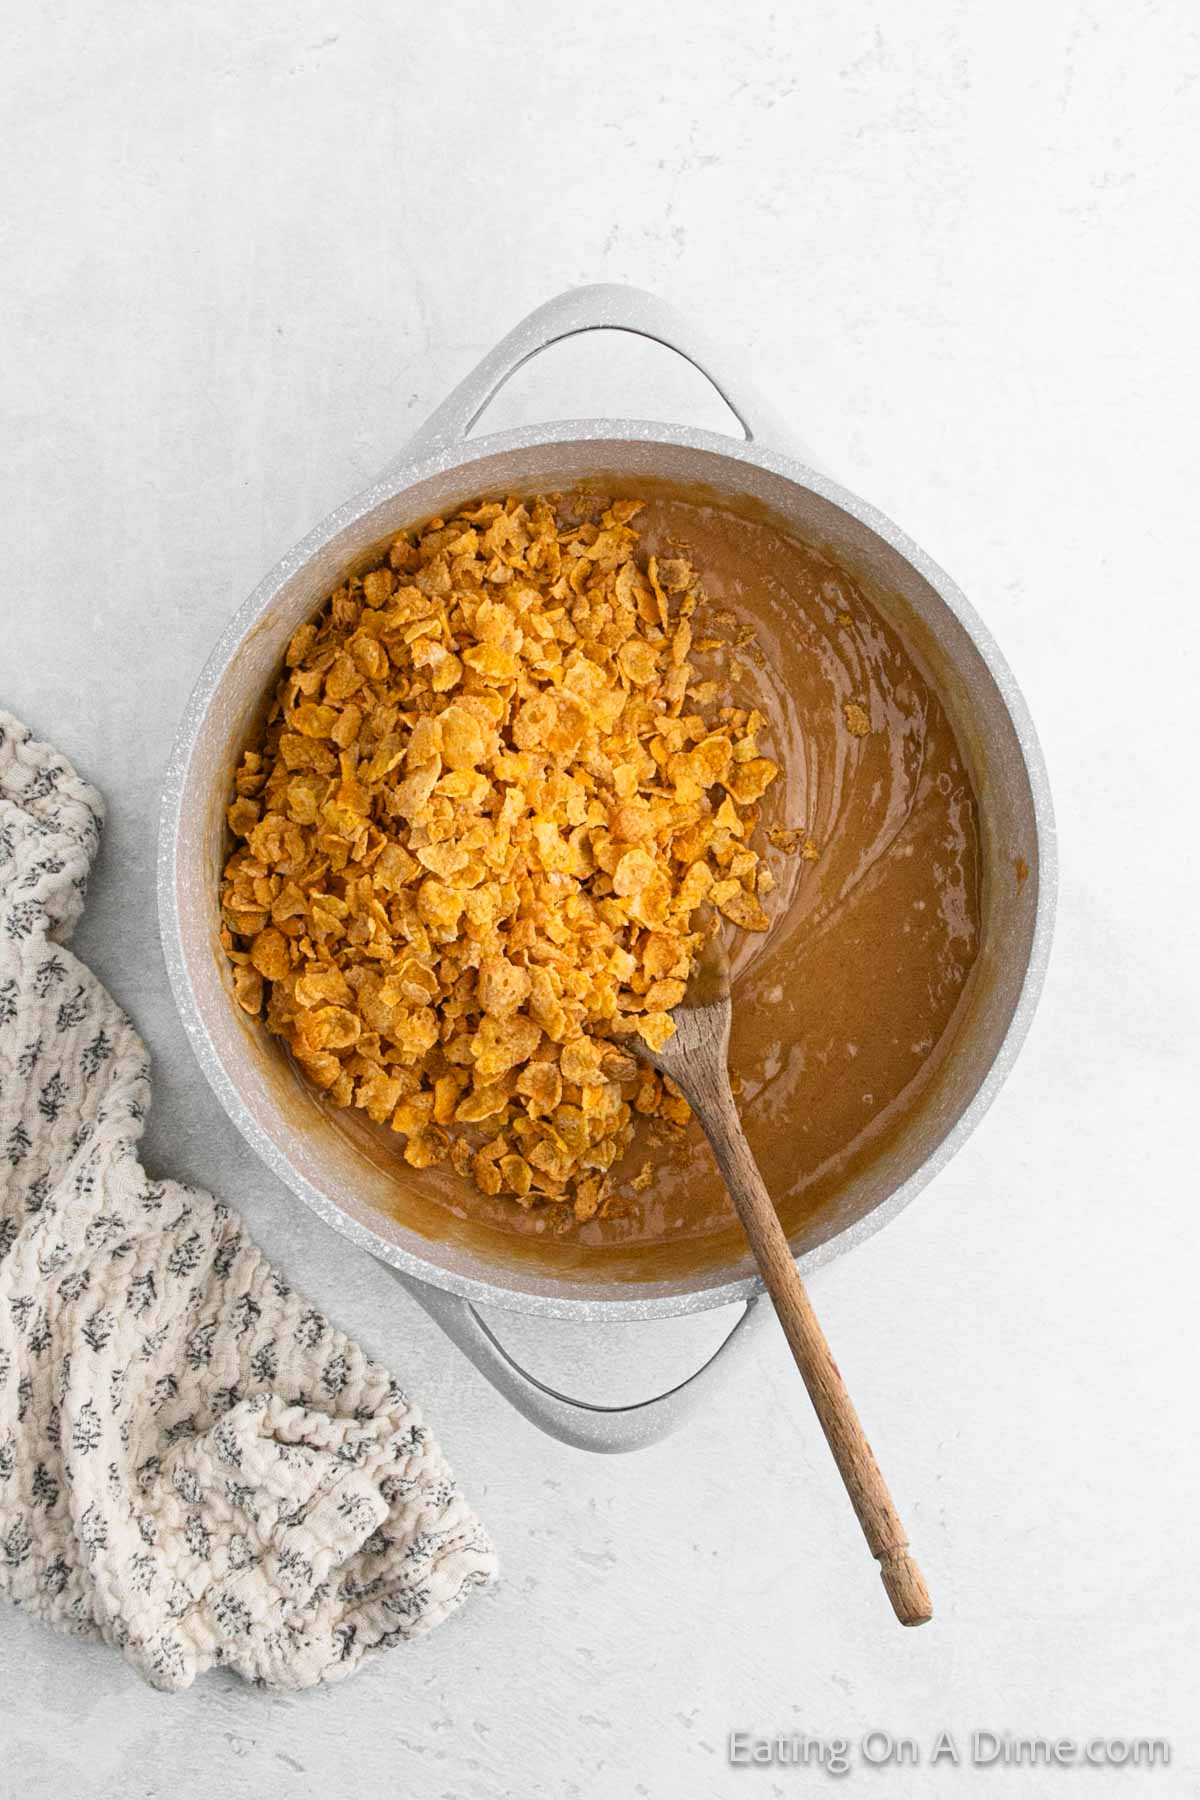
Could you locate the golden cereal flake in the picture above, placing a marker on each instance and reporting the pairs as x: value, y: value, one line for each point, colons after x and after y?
x: 472, y: 838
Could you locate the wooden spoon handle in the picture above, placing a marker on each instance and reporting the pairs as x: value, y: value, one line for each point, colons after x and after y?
x: 852, y: 1453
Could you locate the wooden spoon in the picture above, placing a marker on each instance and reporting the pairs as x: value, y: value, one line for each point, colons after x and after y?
x: 697, y: 1060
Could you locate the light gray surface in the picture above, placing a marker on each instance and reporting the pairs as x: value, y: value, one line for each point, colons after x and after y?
x: 247, y: 249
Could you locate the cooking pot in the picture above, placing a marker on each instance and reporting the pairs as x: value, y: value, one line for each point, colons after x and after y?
x: 766, y: 476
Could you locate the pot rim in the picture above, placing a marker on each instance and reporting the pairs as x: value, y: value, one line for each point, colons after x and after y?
x: 405, y: 473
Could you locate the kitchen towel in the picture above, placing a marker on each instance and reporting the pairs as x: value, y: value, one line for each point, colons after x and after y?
x: 195, y: 1465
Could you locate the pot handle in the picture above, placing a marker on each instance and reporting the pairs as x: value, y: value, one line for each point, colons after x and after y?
x: 605, y: 306
x: 579, y: 1423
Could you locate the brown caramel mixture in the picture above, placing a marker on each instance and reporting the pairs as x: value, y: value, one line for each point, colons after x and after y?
x: 496, y: 786
x: 846, y: 1010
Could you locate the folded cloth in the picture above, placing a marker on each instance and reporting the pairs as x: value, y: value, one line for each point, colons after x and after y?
x: 195, y: 1465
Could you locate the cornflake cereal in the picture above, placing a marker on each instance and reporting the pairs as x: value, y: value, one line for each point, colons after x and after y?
x: 474, y: 835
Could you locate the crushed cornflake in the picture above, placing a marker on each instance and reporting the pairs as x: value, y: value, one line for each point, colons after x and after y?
x: 474, y: 834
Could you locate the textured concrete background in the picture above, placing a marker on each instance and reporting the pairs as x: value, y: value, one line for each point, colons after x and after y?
x: 246, y: 249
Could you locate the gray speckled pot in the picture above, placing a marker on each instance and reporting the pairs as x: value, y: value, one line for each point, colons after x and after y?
x: 440, y: 470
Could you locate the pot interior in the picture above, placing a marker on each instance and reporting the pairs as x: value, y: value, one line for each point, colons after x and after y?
x: 343, y: 1171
